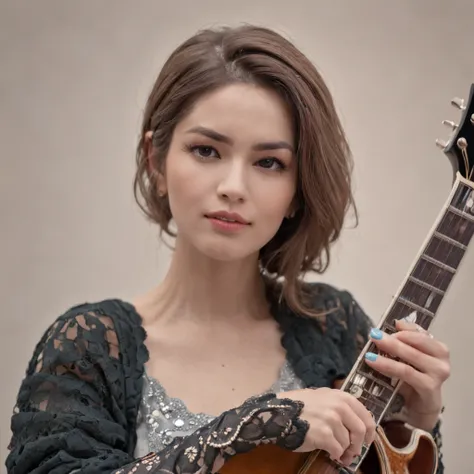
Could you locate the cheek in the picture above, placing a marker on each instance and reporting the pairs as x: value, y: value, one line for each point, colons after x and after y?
x: 185, y: 185
x: 272, y: 208
x: 274, y: 202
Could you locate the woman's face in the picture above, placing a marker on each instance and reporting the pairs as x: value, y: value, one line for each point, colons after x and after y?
x: 230, y: 173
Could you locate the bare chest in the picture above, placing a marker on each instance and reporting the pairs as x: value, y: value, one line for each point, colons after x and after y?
x: 211, y: 373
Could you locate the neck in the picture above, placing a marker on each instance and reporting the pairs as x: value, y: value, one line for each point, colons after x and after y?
x: 206, y: 290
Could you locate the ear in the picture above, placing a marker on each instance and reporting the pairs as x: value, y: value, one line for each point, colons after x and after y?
x: 290, y: 213
x: 153, y: 171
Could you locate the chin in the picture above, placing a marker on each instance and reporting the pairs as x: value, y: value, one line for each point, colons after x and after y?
x: 224, y: 253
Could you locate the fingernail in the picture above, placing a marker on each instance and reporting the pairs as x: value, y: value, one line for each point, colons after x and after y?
x: 376, y: 333
x: 371, y: 356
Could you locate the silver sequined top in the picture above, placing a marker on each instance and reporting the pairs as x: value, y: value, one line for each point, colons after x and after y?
x: 162, y: 418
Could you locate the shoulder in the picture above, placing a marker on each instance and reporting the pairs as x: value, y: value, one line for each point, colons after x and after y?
x: 114, y: 314
x: 109, y: 316
x: 330, y: 304
x: 326, y: 297
x: 92, y: 331
x: 339, y: 310
x: 323, y: 348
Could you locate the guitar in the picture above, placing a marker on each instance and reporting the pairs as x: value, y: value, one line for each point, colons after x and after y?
x: 398, y: 449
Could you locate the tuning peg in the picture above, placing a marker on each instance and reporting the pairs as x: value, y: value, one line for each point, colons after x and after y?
x: 450, y: 124
x: 441, y: 144
x: 458, y: 103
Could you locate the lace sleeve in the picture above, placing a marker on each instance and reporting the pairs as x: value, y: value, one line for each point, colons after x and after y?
x: 260, y: 420
x: 70, y: 409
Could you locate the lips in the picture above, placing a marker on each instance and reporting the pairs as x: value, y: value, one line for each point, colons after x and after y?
x: 225, y: 216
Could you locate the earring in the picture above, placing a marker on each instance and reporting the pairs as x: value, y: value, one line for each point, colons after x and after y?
x: 161, y: 194
x: 291, y: 215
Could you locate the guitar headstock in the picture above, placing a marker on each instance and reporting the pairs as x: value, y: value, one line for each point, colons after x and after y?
x: 460, y: 146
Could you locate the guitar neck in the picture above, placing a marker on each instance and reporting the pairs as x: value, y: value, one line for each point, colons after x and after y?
x: 421, y: 293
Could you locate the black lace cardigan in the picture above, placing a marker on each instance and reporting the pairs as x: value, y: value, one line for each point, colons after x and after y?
x: 77, y: 407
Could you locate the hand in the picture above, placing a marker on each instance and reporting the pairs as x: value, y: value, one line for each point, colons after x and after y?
x: 338, y: 423
x: 424, y: 369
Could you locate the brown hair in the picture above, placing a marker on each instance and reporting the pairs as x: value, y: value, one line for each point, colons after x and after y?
x: 250, y: 54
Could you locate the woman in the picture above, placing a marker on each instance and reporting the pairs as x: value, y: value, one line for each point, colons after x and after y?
x: 241, y: 146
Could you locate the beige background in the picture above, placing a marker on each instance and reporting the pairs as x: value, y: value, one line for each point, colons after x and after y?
x: 73, y: 79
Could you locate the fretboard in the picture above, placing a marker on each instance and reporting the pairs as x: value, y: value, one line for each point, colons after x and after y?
x: 421, y: 293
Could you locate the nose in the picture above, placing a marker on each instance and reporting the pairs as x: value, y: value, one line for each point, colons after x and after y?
x: 232, y: 186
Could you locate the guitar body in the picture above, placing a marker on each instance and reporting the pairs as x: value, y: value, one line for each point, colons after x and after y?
x: 396, y: 450
x: 401, y: 450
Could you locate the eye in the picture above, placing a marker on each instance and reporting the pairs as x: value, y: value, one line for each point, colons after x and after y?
x: 271, y: 164
x: 204, y: 152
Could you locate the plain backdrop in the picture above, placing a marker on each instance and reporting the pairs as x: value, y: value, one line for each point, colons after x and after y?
x: 74, y: 77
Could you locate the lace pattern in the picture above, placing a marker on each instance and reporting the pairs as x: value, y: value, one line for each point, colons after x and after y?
x: 76, y: 408
x: 260, y: 420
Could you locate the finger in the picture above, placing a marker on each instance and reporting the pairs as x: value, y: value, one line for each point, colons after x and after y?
x: 406, y: 373
x: 356, y: 428
x: 342, y: 435
x: 419, y: 341
x: 348, y: 443
x: 396, y: 348
x: 403, y: 325
x: 365, y: 416
x: 347, y: 459
x: 331, y: 444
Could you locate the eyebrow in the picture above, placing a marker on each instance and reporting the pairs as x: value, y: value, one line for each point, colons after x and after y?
x: 219, y: 137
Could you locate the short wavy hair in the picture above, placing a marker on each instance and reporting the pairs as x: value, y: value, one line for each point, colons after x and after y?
x: 213, y: 58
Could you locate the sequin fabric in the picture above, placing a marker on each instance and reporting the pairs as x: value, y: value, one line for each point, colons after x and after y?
x: 162, y: 418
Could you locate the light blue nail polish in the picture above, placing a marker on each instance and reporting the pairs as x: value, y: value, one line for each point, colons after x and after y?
x: 376, y: 333
x: 371, y: 356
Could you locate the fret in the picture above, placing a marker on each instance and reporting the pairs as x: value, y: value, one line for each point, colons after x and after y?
x: 461, y: 213
x: 388, y: 328
x: 451, y: 241
x: 361, y: 386
x: 364, y: 369
x: 400, y: 310
x: 446, y: 250
x: 463, y: 199
x: 432, y: 274
x: 423, y: 284
x: 416, y: 307
x: 377, y: 380
x: 421, y: 298
x: 371, y: 404
x: 368, y: 397
x: 438, y: 263
x: 371, y: 391
x: 456, y: 225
